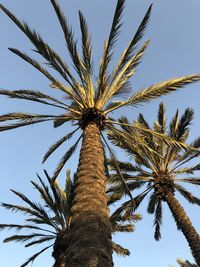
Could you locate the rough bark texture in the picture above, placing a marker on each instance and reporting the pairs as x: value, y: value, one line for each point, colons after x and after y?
x: 59, y: 250
x: 89, y: 239
x: 184, y: 223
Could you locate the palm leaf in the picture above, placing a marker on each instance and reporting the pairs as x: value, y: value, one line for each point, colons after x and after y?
x: 18, y: 125
x: 69, y: 38
x: 58, y: 144
x: 32, y: 258
x: 19, y: 227
x: 128, y: 53
x: 64, y: 159
x: 35, y: 96
x: 120, y: 250
x: 152, y: 203
x: 187, y: 195
x: 40, y: 241
x: 159, y: 89
x: 158, y: 220
x: 114, y: 32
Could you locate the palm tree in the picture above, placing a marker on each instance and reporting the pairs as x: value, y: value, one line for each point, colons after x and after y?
x: 49, y: 220
x: 162, y: 168
x: 88, y: 105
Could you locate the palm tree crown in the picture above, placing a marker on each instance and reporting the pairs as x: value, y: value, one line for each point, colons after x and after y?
x: 162, y: 168
x: 87, y: 99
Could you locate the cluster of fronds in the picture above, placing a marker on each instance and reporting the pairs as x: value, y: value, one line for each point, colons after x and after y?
x: 85, y: 92
x: 154, y: 159
x: 50, y: 218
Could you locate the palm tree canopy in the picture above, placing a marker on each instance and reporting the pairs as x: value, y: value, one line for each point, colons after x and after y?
x: 49, y: 220
x: 86, y: 98
x: 158, y: 166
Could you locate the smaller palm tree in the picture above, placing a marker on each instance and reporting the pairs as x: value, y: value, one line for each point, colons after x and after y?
x: 162, y: 168
x: 49, y: 220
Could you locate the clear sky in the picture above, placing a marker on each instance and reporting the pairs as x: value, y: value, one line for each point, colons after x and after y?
x: 174, y: 51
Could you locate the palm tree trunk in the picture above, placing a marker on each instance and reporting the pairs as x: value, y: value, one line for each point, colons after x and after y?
x: 185, y: 225
x: 59, y: 249
x: 89, y: 239
x: 60, y: 261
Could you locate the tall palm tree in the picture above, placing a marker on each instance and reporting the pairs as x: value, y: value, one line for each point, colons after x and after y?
x: 88, y: 105
x: 49, y: 220
x: 162, y: 170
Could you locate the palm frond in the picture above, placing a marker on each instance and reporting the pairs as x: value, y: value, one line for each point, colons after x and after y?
x: 40, y: 241
x: 32, y: 258
x: 187, y: 195
x: 161, y: 118
x: 126, y: 73
x: 193, y: 180
x: 35, y: 96
x: 21, y: 124
x: 24, y: 116
x: 128, y: 53
x: 19, y: 227
x: 58, y: 144
x: 114, y: 159
x: 114, y: 32
x: 184, y: 123
x: 86, y: 43
x: 157, y: 90
x: 152, y: 203
x: 69, y: 38
x: 64, y: 159
x: 120, y: 250
x: 22, y: 238
x: 158, y: 220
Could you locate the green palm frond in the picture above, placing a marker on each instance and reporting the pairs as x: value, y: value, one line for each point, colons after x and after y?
x: 69, y: 38
x: 156, y: 90
x: 35, y: 96
x: 152, y: 203
x: 58, y: 144
x: 161, y: 118
x: 19, y: 227
x: 187, y: 195
x: 64, y: 159
x: 120, y: 250
x: 129, y: 52
x: 158, y: 220
x: 86, y: 43
x: 193, y: 180
x: 40, y: 241
x: 108, y: 46
x: 33, y: 257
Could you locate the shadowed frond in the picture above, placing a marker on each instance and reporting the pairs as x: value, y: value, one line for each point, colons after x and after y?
x: 108, y: 46
x: 64, y: 159
x: 158, y: 220
x: 129, y: 52
x: 120, y: 250
x: 186, y: 194
x: 58, y: 144
x: 32, y: 258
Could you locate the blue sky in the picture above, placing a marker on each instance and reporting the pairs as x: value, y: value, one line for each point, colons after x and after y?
x: 174, y: 51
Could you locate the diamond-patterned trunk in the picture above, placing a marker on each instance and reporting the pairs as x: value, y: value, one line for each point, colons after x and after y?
x: 184, y: 223
x: 89, y: 239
